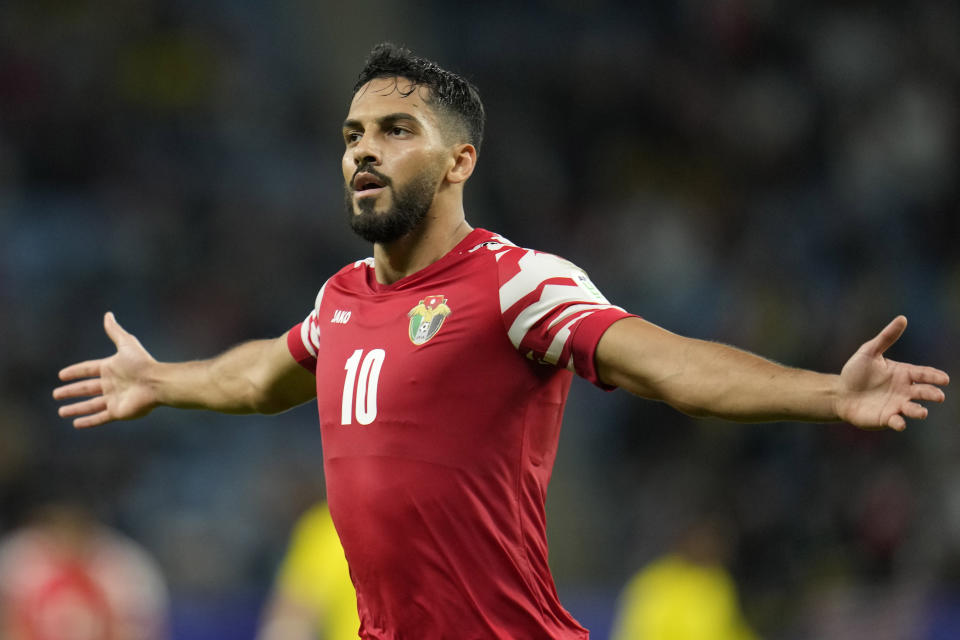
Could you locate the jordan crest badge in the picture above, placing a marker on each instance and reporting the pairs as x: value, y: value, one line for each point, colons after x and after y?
x: 426, y: 318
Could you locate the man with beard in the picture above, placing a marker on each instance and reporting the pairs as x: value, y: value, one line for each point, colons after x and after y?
x: 441, y: 367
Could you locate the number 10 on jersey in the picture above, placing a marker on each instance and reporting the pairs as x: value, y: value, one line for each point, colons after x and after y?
x: 363, y: 385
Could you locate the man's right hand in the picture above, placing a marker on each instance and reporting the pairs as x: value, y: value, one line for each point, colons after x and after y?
x: 113, y: 388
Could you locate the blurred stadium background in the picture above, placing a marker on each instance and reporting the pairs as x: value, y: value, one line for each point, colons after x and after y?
x: 781, y: 176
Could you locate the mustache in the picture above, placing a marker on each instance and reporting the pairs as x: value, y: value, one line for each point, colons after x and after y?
x: 366, y: 168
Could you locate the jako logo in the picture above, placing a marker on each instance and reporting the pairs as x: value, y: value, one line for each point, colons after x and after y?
x: 340, y: 317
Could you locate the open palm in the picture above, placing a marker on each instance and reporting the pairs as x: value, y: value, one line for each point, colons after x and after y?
x: 878, y: 392
x: 112, y: 388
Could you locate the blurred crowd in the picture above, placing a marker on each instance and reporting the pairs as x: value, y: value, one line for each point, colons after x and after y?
x: 780, y: 177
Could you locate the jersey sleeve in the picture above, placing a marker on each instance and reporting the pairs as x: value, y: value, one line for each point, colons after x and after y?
x: 303, y: 339
x: 552, y: 312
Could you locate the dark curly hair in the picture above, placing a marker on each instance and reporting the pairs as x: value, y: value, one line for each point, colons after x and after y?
x: 452, y: 95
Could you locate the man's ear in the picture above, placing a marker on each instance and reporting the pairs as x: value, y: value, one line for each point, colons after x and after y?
x: 464, y: 160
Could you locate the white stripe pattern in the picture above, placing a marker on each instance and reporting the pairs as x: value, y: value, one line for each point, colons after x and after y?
x: 560, y: 340
x: 310, y: 328
x: 579, y: 293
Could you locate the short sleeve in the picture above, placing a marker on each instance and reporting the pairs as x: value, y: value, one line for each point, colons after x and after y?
x: 552, y: 312
x: 303, y: 339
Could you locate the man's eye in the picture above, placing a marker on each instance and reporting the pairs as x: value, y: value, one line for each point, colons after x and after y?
x: 399, y: 131
x: 352, y: 136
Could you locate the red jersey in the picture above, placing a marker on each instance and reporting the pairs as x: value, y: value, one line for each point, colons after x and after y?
x: 440, y: 400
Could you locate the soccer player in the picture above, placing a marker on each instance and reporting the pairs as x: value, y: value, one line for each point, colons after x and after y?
x: 66, y: 576
x: 441, y: 366
x: 685, y: 594
x: 313, y: 597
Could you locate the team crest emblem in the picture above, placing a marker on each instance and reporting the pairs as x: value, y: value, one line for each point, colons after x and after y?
x: 427, y: 317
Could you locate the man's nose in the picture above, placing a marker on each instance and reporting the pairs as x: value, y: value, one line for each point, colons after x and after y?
x: 366, y: 152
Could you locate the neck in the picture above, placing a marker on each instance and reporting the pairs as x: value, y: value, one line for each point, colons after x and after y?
x: 420, y: 248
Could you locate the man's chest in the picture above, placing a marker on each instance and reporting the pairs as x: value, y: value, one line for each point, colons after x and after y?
x: 398, y: 357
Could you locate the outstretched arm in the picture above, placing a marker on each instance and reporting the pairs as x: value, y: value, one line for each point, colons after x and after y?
x: 710, y: 379
x: 255, y: 377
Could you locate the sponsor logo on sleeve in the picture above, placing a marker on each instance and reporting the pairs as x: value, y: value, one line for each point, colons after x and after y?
x: 584, y: 282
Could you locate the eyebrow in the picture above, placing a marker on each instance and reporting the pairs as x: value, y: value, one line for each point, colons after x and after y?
x: 382, y: 121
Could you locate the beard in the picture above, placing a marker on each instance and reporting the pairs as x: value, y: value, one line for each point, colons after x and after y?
x: 409, y: 209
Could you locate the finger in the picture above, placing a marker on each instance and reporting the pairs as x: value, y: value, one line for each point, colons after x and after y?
x: 93, y: 421
x: 78, y: 389
x: 88, y: 369
x: 929, y: 375
x: 86, y: 407
x: 114, y: 331
x: 896, y: 422
x: 883, y: 340
x: 927, y: 392
x: 914, y: 411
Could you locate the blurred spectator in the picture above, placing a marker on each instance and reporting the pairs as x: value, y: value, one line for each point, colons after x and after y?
x: 313, y: 598
x: 64, y: 576
x: 687, y: 594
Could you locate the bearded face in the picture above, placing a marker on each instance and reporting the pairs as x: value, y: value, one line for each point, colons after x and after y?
x: 405, y: 210
x: 397, y: 150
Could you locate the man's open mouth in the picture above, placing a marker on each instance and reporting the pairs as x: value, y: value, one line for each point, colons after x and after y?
x: 367, y: 182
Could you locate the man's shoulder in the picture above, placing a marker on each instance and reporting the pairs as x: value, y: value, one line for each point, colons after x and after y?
x: 482, y: 240
x: 507, y: 256
x: 353, y: 272
x: 499, y: 246
x: 513, y: 259
x: 357, y: 267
